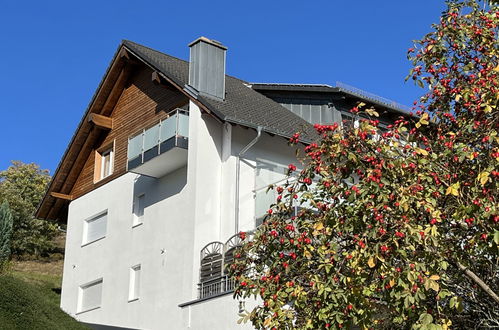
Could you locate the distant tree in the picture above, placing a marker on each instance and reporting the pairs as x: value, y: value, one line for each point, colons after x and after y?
x: 396, y: 227
x: 5, y: 233
x: 22, y: 186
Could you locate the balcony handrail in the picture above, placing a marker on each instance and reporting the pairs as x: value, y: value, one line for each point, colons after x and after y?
x: 179, y: 110
x: 371, y: 96
x: 172, y: 115
x: 215, y: 286
x: 169, y: 115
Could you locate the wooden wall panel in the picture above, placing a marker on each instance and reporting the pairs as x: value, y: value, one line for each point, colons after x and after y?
x: 142, y: 104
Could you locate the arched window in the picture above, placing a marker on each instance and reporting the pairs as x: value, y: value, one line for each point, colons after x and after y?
x: 230, y: 248
x: 211, y: 269
x: 216, y: 257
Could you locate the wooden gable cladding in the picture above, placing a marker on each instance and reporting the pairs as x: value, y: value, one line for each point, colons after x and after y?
x: 81, y: 144
x: 127, y: 100
x: 141, y: 105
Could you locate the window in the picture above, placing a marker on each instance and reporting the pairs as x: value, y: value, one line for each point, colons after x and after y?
x: 269, y: 174
x: 134, y: 289
x: 211, y: 280
x: 90, y: 296
x: 104, y: 163
x: 138, y: 209
x: 265, y: 175
x: 95, y: 228
x: 349, y: 121
x: 107, y: 163
x: 216, y: 259
x: 211, y: 263
x: 263, y: 200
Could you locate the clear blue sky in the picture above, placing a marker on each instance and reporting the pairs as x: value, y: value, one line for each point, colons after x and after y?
x: 54, y: 53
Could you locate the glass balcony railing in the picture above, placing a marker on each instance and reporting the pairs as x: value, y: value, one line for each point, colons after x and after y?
x: 168, y: 134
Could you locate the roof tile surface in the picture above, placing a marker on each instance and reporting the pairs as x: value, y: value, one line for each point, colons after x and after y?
x: 242, y: 104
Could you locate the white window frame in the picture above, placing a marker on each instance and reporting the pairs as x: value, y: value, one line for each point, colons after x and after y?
x: 103, y: 155
x: 134, y: 284
x: 258, y: 189
x: 351, y: 117
x: 86, y: 222
x: 138, y: 219
x: 81, y: 291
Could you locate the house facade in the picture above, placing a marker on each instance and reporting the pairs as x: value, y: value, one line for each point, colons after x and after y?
x: 170, y: 161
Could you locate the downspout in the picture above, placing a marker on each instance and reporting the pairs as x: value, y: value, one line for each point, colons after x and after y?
x: 238, y: 174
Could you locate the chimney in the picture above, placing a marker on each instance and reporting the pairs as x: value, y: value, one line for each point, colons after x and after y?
x: 207, y: 67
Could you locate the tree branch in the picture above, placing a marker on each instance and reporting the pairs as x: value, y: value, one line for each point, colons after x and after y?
x: 472, y: 276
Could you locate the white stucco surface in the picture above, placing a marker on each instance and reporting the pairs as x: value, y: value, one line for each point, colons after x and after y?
x: 184, y: 210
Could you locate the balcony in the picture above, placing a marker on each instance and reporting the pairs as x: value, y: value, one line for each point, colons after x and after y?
x: 215, y: 287
x: 160, y: 149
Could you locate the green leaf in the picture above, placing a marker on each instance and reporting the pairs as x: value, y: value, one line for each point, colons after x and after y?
x: 453, y: 189
x: 425, y: 319
x: 460, y: 305
x: 407, y: 302
x: 452, y: 302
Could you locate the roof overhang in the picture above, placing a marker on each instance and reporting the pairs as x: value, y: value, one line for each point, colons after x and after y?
x: 87, y: 133
x: 341, y: 89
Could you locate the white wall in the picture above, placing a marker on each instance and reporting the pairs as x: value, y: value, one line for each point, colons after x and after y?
x: 164, y: 275
x: 216, y: 313
x: 271, y: 149
x: 185, y: 210
x: 205, y: 166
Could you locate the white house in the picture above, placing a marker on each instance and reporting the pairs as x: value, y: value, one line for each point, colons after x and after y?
x: 170, y: 161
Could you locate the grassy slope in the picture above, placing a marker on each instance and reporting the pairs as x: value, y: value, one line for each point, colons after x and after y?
x: 28, y: 300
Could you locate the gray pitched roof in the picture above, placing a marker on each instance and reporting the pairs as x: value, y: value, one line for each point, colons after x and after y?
x: 242, y: 104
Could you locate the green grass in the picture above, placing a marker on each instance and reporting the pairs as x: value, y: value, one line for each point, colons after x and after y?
x: 28, y: 300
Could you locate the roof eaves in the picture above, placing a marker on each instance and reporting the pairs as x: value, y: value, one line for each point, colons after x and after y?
x: 75, y: 134
x: 373, y: 101
x: 268, y: 130
x: 328, y: 89
x: 292, y: 87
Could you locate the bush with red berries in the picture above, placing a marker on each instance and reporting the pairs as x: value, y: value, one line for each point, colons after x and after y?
x: 397, y: 228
